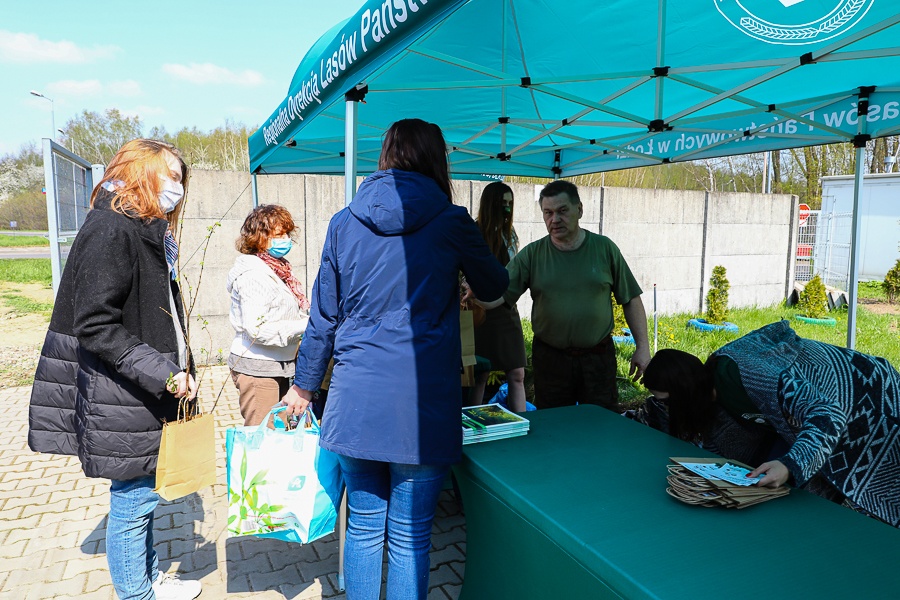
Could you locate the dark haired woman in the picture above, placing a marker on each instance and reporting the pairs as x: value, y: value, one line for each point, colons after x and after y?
x: 386, y: 306
x: 115, y: 366
x: 269, y: 312
x: 817, y: 415
x: 499, y: 338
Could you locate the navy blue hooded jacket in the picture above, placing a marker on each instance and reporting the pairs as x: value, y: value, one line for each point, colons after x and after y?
x: 386, y: 305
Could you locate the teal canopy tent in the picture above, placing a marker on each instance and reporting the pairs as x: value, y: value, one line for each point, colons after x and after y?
x: 555, y: 89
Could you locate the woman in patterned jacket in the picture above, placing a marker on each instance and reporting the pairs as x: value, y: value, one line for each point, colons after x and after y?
x: 819, y: 416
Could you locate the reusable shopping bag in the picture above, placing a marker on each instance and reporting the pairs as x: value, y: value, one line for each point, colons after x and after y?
x: 187, y: 453
x: 281, y: 484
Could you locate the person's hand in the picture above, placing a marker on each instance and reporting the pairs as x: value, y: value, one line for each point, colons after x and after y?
x: 182, y: 385
x: 639, y: 361
x: 296, y: 401
x: 776, y: 474
x: 467, y: 293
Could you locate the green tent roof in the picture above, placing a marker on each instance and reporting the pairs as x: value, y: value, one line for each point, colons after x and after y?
x: 545, y: 88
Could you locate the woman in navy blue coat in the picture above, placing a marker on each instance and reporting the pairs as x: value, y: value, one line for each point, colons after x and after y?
x: 386, y: 306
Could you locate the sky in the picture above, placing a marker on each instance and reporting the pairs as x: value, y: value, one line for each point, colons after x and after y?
x: 173, y: 63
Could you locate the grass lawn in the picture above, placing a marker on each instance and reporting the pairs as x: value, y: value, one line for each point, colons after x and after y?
x: 18, y: 241
x: 25, y: 270
x: 877, y: 334
x: 871, y: 290
x: 24, y: 305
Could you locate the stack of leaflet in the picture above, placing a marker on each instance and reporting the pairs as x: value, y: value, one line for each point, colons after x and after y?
x: 491, y: 422
x: 716, y: 482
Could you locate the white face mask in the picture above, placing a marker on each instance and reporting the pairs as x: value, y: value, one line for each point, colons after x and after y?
x: 170, y: 195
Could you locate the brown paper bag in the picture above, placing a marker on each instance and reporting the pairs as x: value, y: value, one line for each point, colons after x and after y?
x: 187, y: 455
x: 467, y: 337
x: 468, y: 377
x: 478, y: 313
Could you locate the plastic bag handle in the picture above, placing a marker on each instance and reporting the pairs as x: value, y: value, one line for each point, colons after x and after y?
x: 311, y: 422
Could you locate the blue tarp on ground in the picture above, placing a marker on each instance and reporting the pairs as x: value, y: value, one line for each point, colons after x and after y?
x: 545, y: 87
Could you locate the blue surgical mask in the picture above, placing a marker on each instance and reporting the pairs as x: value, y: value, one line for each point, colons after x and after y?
x: 280, y: 247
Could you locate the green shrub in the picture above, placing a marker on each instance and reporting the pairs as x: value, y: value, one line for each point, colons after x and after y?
x: 891, y: 284
x: 813, y: 302
x: 717, y: 296
x: 619, y: 322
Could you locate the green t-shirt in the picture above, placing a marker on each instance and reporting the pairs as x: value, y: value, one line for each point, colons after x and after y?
x: 571, y: 289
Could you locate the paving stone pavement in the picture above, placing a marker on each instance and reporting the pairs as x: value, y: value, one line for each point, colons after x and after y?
x: 53, y: 528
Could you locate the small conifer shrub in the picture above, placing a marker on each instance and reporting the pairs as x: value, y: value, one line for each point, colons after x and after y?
x: 717, y: 297
x: 813, y: 302
x: 891, y: 284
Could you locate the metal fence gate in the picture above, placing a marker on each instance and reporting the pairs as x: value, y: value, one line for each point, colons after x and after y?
x: 823, y: 248
x: 69, y: 181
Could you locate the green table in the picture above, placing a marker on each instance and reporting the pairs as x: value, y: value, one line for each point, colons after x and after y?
x: 578, y: 509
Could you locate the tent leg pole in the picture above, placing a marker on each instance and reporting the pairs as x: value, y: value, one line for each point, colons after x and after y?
x: 342, y: 538
x: 854, y: 249
x: 254, y: 190
x: 655, y: 322
x: 352, y: 107
x: 350, y: 121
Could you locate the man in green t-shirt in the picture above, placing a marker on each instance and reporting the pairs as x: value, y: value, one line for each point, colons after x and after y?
x: 571, y: 274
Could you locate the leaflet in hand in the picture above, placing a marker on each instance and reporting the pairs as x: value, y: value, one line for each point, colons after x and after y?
x: 727, y: 472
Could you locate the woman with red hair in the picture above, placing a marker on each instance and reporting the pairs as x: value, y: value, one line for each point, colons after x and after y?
x: 115, y: 363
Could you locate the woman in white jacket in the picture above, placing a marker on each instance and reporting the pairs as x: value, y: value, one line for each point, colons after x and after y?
x: 269, y: 312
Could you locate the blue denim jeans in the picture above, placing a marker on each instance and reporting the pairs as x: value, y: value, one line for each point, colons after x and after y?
x: 399, y: 500
x: 133, y: 565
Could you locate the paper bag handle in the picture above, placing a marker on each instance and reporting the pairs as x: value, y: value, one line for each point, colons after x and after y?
x: 186, y: 412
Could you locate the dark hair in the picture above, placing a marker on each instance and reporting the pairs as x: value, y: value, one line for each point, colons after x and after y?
x: 560, y: 186
x: 264, y: 222
x: 689, y: 384
x: 414, y: 145
x: 493, y: 220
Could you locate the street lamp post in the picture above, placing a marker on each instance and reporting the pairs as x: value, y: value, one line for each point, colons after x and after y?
x: 71, y: 141
x: 52, y: 110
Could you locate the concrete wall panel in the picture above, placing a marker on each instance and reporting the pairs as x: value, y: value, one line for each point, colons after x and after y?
x: 664, y: 235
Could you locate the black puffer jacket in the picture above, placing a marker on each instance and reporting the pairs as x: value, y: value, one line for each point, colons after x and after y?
x: 99, y: 390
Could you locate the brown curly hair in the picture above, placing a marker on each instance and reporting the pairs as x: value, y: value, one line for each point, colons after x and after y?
x: 262, y: 224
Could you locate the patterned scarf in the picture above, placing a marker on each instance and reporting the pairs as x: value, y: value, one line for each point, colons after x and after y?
x: 171, y: 252
x: 282, y: 269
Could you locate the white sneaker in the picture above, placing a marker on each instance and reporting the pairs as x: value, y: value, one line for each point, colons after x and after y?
x: 168, y: 587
